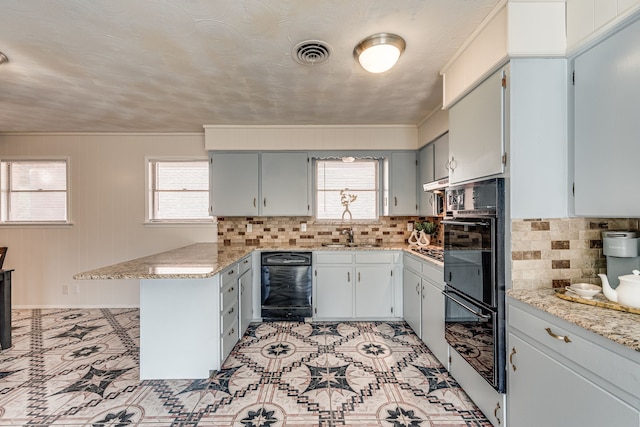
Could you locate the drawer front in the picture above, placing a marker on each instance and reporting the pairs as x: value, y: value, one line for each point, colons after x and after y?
x: 229, y: 275
x: 229, y: 316
x: 229, y: 339
x: 374, y: 258
x: 412, y: 263
x: 228, y: 295
x: 244, y: 264
x: 333, y: 258
x: 614, y: 368
x: 434, y: 273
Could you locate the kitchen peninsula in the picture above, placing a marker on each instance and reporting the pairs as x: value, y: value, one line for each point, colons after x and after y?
x: 183, y: 293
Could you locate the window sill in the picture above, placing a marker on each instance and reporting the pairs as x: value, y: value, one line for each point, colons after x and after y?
x: 44, y: 224
x: 203, y: 224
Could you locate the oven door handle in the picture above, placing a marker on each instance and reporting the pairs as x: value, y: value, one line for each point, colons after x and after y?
x: 480, y: 224
x: 466, y: 307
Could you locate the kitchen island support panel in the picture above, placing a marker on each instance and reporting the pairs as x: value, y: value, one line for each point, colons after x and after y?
x: 178, y: 328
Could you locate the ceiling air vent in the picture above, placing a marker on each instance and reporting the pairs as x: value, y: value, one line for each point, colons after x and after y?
x: 311, y: 52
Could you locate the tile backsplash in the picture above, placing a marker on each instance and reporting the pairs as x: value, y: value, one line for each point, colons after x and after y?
x: 287, y: 230
x: 553, y: 253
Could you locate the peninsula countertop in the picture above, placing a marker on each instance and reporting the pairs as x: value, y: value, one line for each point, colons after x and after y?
x: 202, y: 260
x: 618, y: 326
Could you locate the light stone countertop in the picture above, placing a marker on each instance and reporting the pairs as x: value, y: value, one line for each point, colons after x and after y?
x: 618, y: 326
x: 202, y: 260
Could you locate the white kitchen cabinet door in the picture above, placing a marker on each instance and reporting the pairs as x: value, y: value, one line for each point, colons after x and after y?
x: 333, y: 292
x: 425, y: 175
x: 411, y: 307
x: 246, y: 300
x: 285, y: 184
x: 374, y: 291
x: 543, y: 392
x: 607, y: 129
x: 402, y: 184
x: 234, y: 184
x: 476, y: 131
x: 432, y: 321
x: 441, y: 157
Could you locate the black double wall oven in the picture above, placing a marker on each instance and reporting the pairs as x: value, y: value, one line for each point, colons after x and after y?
x: 474, y: 272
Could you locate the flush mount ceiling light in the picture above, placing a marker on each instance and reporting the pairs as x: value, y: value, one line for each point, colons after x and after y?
x: 379, y: 52
x: 3, y: 58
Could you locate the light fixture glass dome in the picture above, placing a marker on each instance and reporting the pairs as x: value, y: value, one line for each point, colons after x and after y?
x: 379, y: 52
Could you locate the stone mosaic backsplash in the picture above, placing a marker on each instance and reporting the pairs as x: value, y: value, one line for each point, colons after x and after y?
x: 553, y: 253
x: 266, y: 230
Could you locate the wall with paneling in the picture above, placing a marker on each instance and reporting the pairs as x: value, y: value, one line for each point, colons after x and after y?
x: 107, y: 211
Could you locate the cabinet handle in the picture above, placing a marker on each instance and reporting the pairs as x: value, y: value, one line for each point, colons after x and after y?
x: 453, y: 164
x: 431, y: 199
x: 417, y: 290
x: 231, y: 289
x: 348, y: 276
x: 495, y: 413
x: 230, y: 272
x: 558, y: 337
x: 245, y: 261
x: 395, y: 201
x: 231, y: 310
x: 232, y: 331
x: 447, y: 165
x: 513, y: 352
x: 358, y: 276
x: 265, y: 202
x: 254, y: 202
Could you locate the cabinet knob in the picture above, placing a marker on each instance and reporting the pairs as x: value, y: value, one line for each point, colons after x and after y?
x: 513, y: 352
x: 558, y: 337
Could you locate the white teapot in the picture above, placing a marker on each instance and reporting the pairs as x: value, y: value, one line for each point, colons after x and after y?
x: 628, y: 291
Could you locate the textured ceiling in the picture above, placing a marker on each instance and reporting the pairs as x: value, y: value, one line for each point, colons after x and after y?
x: 173, y: 66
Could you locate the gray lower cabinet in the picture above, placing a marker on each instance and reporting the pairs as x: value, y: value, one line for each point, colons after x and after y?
x: 353, y: 284
x: 559, y: 376
x: 423, y: 303
x: 259, y: 184
x: 245, y: 283
x: 607, y: 130
x: 412, y: 300
x: 229, y: 310
x: 432, y: 316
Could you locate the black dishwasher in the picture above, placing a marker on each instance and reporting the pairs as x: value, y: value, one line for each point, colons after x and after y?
x: 286, y: 285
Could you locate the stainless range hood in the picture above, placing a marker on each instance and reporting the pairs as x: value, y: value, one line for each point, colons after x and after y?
x: 438, y: 185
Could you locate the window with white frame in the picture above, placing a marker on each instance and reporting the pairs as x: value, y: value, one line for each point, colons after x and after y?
x: 178, y: 190
x: 347, y: 190
x: 34, y: 191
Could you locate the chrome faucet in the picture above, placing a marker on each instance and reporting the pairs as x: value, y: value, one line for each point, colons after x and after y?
x: 349, y: 233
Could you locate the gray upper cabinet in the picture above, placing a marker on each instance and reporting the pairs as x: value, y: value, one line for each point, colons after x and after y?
x: 259, y: 184
x: 234, y: 183
x: 607, y: 129
x: 285, y: 184
x: 401, y: 199
x: 476, y: 131
x: 441, y: 157
x: 425, y: 175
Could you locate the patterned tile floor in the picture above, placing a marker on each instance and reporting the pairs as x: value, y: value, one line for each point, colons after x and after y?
x: 80, y: 367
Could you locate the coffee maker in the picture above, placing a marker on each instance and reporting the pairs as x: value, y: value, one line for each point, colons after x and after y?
x: 622, y: 250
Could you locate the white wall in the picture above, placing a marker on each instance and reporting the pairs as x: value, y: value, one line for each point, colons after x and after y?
x: 107, y: 211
